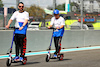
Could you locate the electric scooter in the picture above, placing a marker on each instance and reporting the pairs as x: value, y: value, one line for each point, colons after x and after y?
x: 48, y: 56
x: 10, y: 59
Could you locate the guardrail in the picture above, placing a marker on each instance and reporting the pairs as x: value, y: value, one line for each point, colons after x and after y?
x: 40, y: 40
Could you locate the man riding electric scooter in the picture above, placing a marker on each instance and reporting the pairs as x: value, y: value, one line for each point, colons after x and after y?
x: 58, y: 22
x: 22, y: 18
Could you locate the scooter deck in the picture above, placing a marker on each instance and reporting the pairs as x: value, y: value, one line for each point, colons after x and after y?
x: 57, y: 57
x: 13, y: 61
x: 53, y: 58
x: 16, y: 61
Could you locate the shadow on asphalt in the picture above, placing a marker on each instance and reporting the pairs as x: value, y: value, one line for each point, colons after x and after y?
x: 28, y: 63
x: 66, y: 59
x: 57, y: 60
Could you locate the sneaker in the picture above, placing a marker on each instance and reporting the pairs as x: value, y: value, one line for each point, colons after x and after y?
x: 54, y: 56
x: 21, y: 59
x: 16, y: 58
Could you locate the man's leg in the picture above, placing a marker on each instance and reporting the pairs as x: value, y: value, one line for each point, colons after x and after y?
x: 56, y: 39
x: 23, y: 45
x: 59, y: 45
x: 16, y: 40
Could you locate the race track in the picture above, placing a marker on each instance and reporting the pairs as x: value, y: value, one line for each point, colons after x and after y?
x: 84, y: 58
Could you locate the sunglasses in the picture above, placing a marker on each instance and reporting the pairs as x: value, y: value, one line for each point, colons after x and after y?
x: 21, y: 6
x: 55, y: 14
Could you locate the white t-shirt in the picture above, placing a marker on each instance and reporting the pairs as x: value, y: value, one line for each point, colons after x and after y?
x: 57, y: 22
x: 20, y: 17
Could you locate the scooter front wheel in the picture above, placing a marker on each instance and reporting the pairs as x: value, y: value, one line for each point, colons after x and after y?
x: 47, y: 58
x: 9, y: 60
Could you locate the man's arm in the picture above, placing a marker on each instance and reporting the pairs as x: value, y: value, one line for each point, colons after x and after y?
x: 62, y: 24
x: 60, y: 27
x: 49, y: 26
x: 9, y: 22
x: 25, y: 22
x: 11, y: 19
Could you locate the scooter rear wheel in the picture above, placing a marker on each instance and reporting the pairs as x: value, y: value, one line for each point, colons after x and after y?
x: 61, y: 57
x: 24, y: 60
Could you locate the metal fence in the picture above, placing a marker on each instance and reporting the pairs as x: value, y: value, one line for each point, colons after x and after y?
x: 8, y: 17
x: 2, y: 23
x: 71, y: 19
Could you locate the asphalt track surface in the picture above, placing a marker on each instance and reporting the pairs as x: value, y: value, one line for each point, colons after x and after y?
x: 84, y: 58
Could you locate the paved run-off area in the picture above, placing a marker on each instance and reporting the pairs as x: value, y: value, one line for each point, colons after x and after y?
x: 84, y: 58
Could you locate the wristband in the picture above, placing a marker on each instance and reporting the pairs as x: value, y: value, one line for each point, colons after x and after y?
x: 59, y: 27
x: 22, y: 26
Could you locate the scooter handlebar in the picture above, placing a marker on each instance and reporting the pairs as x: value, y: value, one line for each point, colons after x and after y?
x: 16, y: 28
x: 52, y: 28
